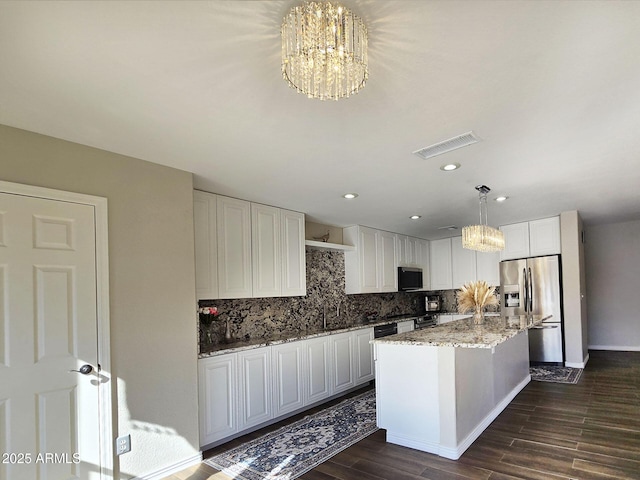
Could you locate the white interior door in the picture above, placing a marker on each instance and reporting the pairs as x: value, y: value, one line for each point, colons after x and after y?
x: 49, y: 416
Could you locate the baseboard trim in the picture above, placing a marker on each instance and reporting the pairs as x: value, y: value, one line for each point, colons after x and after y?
x: 615, y: 348
x: 171, y: 469
x: 578, y: 364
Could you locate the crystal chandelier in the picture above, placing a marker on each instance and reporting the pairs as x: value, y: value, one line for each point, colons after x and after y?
x: 324, y: 50
x: 482, y: 237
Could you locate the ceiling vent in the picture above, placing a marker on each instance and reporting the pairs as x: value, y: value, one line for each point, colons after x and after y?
x: 454, y: 143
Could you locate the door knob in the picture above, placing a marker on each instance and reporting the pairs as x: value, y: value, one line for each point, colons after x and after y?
x: 85, y: 369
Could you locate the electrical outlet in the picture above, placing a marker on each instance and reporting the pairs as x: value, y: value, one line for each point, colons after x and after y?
x: 123, y: 444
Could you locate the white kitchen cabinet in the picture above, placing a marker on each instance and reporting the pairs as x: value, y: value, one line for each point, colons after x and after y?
x: 266, y: 251
x: 463, y: 263
x: 407, y: 251
x: 218, y: 397
x: 488, y: 267
x: 363, y: 358
x: 440, y: 264
x: 342, y: 375
x: 371, y: 267
x: 294, y: 263
x: 206, y: 244
x: 406, y: 326
x: 255, y: 386
x: 531, y: 239
x: 544, y: 237
x: 317, y: 369
x: 422, y: 253
x: 234, y: 248
x: 288, y: 377
x: 388, y: 262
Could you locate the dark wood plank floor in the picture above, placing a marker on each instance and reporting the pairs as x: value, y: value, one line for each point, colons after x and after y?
x: 590, y: 430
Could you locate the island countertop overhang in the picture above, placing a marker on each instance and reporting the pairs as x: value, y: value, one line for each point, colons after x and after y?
x: 465, y: 334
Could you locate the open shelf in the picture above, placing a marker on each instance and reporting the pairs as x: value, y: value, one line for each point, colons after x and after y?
x: 336, y: 247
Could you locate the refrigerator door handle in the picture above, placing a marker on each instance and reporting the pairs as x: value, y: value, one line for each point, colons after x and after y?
x: 530, y: 291
x: 526, y: 290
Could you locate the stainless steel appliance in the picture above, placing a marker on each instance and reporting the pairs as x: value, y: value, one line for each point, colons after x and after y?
x: 409, y: 278
x: 432, y: 303
x: 385, y: 330
x: 425, y: 321
x: 532, y: 286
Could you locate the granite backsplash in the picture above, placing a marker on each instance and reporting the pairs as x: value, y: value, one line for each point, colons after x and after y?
x: 251, y: 318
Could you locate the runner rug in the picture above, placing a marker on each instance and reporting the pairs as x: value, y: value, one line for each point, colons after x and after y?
x: 295, y: 449
x: 551, y: 373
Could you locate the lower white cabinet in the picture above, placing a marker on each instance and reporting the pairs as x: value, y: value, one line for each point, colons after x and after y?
x: 317, y: 369
x: 363, y: 358
x: 288, y: 377
x: 342, y: 361
x: 406, y: 326
x: 241, y: 390
x: 218, y: 397
x: 255, y: 387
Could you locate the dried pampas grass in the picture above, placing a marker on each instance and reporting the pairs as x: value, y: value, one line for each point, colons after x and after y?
x: 475, y: 296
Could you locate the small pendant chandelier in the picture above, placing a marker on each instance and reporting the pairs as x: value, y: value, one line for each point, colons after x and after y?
x: 324, y: 50
x: 482, y: 237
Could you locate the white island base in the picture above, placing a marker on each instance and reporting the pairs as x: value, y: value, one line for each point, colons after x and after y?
x: 439, y: 399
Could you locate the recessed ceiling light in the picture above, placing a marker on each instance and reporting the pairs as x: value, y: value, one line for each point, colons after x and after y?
x: 349, y: 196
x: 501, y: 198
x: 450, y: 167
x: 415, y: 217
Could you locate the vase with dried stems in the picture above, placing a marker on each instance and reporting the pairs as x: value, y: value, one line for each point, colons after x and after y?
x: 475, y: 297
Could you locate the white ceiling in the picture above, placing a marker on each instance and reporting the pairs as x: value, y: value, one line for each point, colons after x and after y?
x: 552, y: 88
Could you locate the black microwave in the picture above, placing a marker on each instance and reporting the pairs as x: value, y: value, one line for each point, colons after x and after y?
x: 409, y: 279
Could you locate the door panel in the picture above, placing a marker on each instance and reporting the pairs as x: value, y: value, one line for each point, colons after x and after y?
x: 545, y: 343
x: 49, y: 327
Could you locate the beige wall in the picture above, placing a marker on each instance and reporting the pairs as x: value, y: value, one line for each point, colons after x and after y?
x: 574, y: 289
x: 613, y: 272
x: 152, y: 291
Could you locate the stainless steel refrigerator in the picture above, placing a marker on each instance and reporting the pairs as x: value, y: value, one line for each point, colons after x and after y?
x: 533, y: 286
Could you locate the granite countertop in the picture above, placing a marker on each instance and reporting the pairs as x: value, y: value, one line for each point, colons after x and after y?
x: 463, y: 333
x: 293, y: 336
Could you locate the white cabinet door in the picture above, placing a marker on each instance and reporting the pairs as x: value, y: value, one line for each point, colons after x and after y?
x: 406, y: 326
x: 206, y: 245
x: 287, y: 376
x: 318, y: 369
x: 445, y: 318
x: 463, y: 263
x: 440, y: 261
x: 401, y: 249
x: 363, y: 359
x: 294, y: 266
x: 266, y: 250
x: 369, y: 268
x: 388, y: 264
x: 422, y: 257
x: 218, y: 398
x: 544, y: 237
x: 516, y: 241
x: 254, y: 368
x: 488, y: 267
x: 341, y: 362
x: 234, y: 248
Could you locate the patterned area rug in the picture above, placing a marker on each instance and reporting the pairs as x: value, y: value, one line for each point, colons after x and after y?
x: 543, y: 373
x: 294, y: 449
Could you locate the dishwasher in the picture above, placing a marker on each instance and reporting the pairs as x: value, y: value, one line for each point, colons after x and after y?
x: 380, y: 331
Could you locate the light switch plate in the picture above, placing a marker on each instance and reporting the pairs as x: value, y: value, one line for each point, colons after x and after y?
x: 123, y: 444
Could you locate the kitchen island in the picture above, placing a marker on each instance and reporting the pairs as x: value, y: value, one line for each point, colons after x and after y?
x: 437, y: 389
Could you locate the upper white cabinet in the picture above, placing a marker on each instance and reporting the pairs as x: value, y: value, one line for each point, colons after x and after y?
x: 441, y: 268
x: 414, y: 252
x: 423, y: 262
x: 246, y: 249
x: 234, y: 248
x: 463, y: 263
x: 206, y: 244
x: 544, y: 237
x: 531, y: 239
x: 371, y: 268
x: 294, y: 270
x: 452, y: 265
